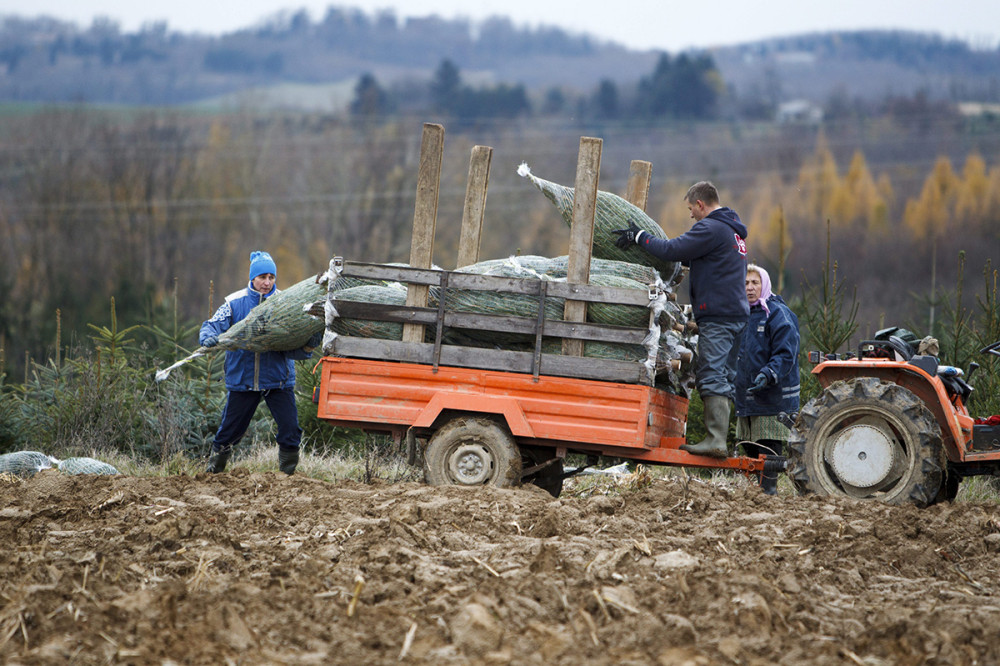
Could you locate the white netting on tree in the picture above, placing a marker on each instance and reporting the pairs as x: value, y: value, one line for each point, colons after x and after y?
x: 25, y: 463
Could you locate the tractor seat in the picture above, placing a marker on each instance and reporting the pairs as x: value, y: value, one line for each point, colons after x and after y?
x: 928, y: 364
x: 903, y: 350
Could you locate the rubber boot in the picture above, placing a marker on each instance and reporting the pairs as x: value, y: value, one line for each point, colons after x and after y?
x: 717, y: 425
x: 288, y: 459
x: 217, y: 461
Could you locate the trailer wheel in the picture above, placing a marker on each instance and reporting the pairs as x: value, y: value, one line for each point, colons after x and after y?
x: 472, y: 451
x: 869, y: 440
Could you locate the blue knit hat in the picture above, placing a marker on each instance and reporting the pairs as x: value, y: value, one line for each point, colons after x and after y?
x: 260, y: 263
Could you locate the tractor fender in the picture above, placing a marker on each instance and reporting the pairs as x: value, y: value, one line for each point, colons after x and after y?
x: 954, y: 420
x: 484, y: 404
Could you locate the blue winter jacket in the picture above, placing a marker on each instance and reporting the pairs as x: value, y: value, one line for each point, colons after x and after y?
x: 770, y: 344
x: 247, y: 370
x: 715, y: 249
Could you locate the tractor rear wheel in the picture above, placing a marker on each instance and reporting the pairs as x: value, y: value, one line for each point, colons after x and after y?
x: 869, y: 440
x: 472, y: 451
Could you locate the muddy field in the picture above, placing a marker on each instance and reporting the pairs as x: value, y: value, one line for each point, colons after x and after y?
x: 248, y: 568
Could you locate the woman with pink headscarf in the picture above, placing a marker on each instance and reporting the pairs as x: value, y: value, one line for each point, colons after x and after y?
x: 767, y: 374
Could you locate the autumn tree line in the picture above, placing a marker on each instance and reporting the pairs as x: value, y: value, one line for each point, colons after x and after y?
x: 159, y: 211
x: 120, y: 232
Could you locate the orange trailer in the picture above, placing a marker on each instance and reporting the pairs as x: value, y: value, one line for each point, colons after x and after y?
x: 499, y: 416
x: 486, y: 416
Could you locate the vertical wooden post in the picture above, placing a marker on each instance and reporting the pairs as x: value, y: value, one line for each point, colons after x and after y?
x: 581, y: 235
x: 475, y: 205
x: 639, y: 175
x: 424, y: 219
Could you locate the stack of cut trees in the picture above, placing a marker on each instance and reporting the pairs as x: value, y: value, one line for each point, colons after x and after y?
x: 503, y: 314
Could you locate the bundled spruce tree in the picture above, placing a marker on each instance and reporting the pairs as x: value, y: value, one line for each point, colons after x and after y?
x: 613, y: 212
x: 280, y: 323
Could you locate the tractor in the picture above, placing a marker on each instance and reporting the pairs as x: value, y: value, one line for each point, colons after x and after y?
x: 890, y: 425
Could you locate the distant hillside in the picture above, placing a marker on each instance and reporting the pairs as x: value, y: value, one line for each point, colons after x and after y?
x: 314, y: 65
x: 869, y: 65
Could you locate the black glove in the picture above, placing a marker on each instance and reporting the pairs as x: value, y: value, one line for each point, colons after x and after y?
x: 628, y: 236
x: 760, y: 383
x: 210, y: 341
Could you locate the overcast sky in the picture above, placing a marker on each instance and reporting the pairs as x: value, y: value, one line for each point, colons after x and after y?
x: 669, y: 25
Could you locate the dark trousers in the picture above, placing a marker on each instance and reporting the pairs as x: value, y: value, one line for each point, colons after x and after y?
x: 240, y: 408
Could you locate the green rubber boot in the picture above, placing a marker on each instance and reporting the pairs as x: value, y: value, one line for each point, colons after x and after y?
x: 717, y: 425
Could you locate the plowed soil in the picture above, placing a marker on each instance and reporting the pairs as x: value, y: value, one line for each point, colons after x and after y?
x: 245, y: 568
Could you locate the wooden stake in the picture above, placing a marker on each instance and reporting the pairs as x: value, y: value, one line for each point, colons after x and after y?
x: 475, y: 206
x: 588, y: 169
x: 639, y: 176
x: 424, y: 220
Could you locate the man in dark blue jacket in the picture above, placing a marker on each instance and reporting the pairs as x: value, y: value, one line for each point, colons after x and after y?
x: 251, y: 376
x: 715, y: 250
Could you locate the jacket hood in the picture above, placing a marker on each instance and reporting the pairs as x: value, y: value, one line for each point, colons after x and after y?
x: 729, y: 216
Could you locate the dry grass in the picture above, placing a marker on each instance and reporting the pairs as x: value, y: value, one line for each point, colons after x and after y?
x: 379, y: 462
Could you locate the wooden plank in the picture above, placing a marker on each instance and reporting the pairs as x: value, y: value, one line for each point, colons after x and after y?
x: 382, y: 312
x: 475, y: 205
x: 579, y: 330
x: 487, y: 322
x: 593, y: 293
x: 424, y: 218
x: 423, y: 276
x: 491, y: 359
x: 583, y: 292
x: 507, y: 285
x: 539, y: 328
x: 439, y: 319
x: 588, y: 168
x: 639, y: 175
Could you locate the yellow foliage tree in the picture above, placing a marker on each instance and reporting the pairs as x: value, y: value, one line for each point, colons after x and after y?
x: 673, y: 216
x: 973, y: 197
x: 818, y: 182
x: 993, y: 196
x: 929, y: 215
x: 761, y: 210
x: 858, y: 198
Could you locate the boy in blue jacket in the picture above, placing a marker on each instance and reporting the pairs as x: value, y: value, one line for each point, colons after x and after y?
x: 252, y: 376
x: 715, y: 250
